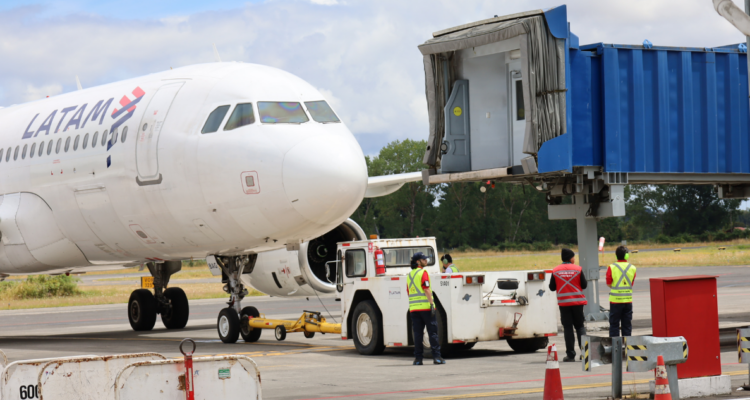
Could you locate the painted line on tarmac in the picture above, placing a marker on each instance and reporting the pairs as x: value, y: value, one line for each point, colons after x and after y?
x: 503, y: 393
x: 158, y: 340
x: 448, y: 388
x: 541, y: 390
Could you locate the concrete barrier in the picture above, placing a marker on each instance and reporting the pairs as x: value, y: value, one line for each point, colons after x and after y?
x: 220, y: 377
x: 19, y: 379
x: 3, y: 363
x: 90, y: 378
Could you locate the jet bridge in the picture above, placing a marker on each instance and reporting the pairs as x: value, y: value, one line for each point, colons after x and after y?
x: 517, y: 99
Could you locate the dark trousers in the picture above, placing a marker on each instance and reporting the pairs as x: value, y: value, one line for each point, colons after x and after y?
x: 420, y: 320
x: 620, y: 314
x: 572, y: 318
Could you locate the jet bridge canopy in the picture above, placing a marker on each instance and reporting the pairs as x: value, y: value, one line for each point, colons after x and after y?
x: 538, y: 107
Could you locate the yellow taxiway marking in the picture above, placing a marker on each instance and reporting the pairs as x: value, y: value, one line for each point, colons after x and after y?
x: 541, y: 390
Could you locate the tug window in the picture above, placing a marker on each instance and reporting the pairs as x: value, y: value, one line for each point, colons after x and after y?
x: 214, y: 119
x: 281, y: 113
x: 356, y: 263
x: 321, y: 112
x: 241, y: 116
x: 401, y: 256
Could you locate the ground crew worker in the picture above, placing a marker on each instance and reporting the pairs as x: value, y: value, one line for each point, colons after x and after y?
x: 568, y: 281
x: 422, y: 309
x: 448, y: 266
x: 620, y: 279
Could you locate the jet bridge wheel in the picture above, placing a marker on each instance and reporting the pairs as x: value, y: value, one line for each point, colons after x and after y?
x: 368, y: 329
x: 142, y: 310
x: 228, y: 325
x: 528, y: 345
x: 176, y: 317
x: 249, y: 334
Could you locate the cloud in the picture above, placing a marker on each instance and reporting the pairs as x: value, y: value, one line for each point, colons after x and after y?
x: 363, y: 54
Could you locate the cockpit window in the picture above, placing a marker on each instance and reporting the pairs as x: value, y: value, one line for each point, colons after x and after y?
x: 281, y: 113
x: 214, y: 119
x: 321, y: 111
x: 241, y: 116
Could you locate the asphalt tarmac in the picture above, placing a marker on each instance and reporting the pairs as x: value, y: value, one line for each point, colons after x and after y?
x: 326, y: 367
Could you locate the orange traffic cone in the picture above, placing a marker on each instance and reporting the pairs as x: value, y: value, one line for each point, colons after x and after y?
x: 662, y: 382
x: 552, y: 382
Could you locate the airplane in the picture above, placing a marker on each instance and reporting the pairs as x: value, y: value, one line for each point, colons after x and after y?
x: 242, y: 164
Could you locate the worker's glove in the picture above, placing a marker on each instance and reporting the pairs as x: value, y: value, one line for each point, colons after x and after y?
x: 432, y: 310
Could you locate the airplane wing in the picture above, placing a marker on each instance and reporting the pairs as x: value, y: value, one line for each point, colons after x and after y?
x: 378, y: 186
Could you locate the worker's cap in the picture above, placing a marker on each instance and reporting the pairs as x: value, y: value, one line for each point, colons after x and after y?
x: 418, y: 256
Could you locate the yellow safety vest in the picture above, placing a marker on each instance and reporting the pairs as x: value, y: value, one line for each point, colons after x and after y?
x: 417, y: 297
x: 622, y: 282
x: 453, y: 268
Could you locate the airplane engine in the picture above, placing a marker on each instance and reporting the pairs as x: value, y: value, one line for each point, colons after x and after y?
x: 303, y: 272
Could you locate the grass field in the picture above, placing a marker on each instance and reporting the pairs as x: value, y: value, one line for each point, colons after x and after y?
x: 737, y: 253
x: 708, y: 256
x: 95, y: 295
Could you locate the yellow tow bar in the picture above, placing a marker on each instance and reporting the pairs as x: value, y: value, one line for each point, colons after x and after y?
x: 310, y: 322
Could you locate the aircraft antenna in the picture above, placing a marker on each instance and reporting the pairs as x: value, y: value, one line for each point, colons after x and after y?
x: 216, y: 53
x: 78, y: 83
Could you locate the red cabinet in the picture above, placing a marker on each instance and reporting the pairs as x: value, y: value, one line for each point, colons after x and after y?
x: 687, y: 306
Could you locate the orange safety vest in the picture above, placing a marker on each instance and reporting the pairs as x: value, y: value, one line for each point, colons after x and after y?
x: 568, y: 282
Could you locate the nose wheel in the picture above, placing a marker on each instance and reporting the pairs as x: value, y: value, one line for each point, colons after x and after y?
x: 232, y: 321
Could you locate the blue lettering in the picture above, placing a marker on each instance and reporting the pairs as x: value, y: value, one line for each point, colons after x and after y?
x: 65, y: 112
x: 47, y: 124
x: 98, y: 109
x: 76, y: 120
x: 27, y: 134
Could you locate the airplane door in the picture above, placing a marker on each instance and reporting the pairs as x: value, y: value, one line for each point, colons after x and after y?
x: 146, y: 148
x: 517, y: 118
x: 456, y: 147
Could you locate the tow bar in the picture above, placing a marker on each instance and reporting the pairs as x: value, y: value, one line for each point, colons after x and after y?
x: 310, y: 322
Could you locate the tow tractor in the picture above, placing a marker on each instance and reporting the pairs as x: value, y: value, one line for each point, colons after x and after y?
x: 372, y: 279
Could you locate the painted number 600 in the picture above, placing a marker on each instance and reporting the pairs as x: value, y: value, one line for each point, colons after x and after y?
x: 29, y: 392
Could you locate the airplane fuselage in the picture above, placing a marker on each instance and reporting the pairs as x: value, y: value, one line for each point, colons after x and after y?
x: 156, y: 187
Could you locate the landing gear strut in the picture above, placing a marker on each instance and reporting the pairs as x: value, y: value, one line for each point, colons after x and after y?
x: 232, y: 321
x: 171, y: 303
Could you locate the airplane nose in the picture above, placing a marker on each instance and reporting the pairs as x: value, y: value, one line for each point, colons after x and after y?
x: 325, y: 179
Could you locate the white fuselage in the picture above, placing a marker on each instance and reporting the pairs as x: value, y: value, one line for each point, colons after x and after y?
x: 164, y: 190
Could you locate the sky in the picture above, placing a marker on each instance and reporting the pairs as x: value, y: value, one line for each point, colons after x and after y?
x: 362, y: 55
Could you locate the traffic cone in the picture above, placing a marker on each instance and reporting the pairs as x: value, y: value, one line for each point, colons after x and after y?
x: 552, y: 382
x: 661, y: 391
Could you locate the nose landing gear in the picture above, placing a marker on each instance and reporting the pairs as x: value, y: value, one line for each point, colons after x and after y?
x: 228, y: 322
x: 171, y: 303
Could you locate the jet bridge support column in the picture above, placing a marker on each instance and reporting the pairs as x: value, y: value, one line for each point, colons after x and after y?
x: 594, y: 196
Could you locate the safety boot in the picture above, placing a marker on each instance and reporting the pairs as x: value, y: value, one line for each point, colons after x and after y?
x: 418, y: 361
x: 438, y: 360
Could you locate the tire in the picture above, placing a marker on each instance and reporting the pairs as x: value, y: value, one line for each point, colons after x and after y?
x: 249, y: 334
x: 228, y: 325
x: 177, y: 315
x: 367, y: 329
x: 528, y: 345
x: 280, y: 332
x: 142, y: 310
x: 309, y: 335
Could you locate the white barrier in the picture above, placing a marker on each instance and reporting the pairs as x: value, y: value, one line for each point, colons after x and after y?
x: 90, y: 378
x: 220, y: 377
x: 19, y: 379
x: 3, y: 363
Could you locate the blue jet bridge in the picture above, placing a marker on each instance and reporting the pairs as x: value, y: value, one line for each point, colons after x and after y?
x: 517, y: 99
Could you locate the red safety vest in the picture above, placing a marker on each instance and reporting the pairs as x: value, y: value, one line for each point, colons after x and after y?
x: 568, y: 282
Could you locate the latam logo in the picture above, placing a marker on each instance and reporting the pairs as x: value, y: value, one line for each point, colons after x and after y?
x: 77, y: 120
